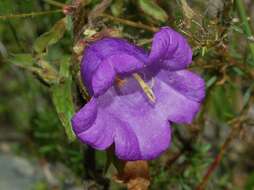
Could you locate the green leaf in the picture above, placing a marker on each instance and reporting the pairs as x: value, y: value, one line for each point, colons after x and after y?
x: 222, y: 102
x: 250, y: 182
x: 117, y: 7
x: 211, y: 81
x: 69, y: 25
x: 51, y: 37
x: 62, y: 98
x: 46, y: 72
x: 238, y: 71
x: 150, y: 8
x: 247, y: 95
x: 22, y: 59
x: 40, y: 68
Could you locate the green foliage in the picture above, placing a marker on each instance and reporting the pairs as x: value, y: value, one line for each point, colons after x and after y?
x: 22, y: 60
x: 250, y: 182
x: 187, y: 172
x: 152, y: 9
x: 50, y: 37
x: 41, y: 110
x: 225, y: 96
x: 62, y: 97
x: 117, y: 7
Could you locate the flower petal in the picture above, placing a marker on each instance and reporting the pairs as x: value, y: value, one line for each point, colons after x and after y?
x: 103, y: 78
x: 179, y: 94
x: 86, y: 116
x: 141, y: 132
x: 126, y: 118
x: 91, y: 130
x: 120, y: 63
x: 126, y: 142
x: 121, y: 112
x: 99, y: 135
x: 97, y: 52
x: 187, y: 83
x: 139, y: 129
x: 170, y: 49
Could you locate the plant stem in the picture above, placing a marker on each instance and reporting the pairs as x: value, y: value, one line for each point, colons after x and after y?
x: 32, y: 14
x: 235, y: 131
x: 55, y: 3
x: 131, y: 23
x: 246, y: 26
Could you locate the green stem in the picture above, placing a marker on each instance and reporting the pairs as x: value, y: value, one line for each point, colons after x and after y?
x: 112, y: 159
x: 130, y: 23
x: 32, y: 14
x: 55, y: 3
x: 246, y: 26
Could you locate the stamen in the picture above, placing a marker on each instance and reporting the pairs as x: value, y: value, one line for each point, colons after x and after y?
x: 146, y: 88
x: 120, y: 82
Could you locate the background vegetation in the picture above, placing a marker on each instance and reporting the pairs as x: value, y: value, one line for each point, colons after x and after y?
x: 40, y: 87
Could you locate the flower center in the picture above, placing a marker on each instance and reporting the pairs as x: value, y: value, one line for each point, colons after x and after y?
x: 120, y: 82
x: 145, y: 87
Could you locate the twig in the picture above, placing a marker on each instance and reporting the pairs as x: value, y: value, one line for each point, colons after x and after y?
x: 190, y: 36
x: 246, y: 26
x: 97, y: 10
x: 55, y: 3
x: 51, y: 179
x: 32, y: 14
x: 235, y: 130
x: 131, y: 23
x: 173, y: 159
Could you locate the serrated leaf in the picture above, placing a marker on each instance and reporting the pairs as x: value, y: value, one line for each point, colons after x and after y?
x: 51, y: 37
x: 62, y: 98
x: 152, y: 9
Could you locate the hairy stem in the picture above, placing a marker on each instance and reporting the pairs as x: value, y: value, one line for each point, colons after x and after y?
x: 55, y: 3
x: 32, y: 14
x: 130, y: 23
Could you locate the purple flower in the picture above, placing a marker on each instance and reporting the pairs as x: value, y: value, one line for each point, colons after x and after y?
x: 136, y: 96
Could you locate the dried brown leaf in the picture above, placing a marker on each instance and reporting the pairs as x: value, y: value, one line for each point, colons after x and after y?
x: 135, y: 175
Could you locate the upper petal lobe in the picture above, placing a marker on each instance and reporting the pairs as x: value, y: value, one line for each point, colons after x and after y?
x: 170, y: 49
x: 114, y: 51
